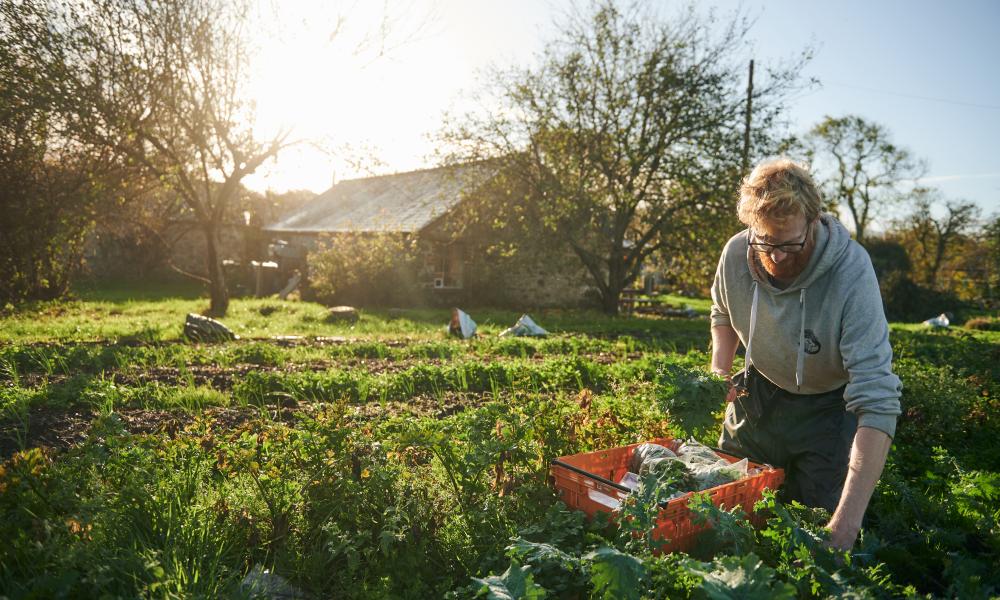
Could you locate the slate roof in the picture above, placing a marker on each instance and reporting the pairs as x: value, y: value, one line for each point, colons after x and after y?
x: 403, y: 202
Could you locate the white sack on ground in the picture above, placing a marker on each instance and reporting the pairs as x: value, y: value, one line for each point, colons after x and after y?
x: 461, y: 324
x: 941, y: 320
x: 525, y: 326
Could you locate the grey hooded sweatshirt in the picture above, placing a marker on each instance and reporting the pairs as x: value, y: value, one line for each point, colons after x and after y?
x: 824, y: 330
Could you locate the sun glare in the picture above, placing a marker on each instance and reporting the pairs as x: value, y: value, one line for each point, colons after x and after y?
x: 352, y: 98
x: 364, y: 84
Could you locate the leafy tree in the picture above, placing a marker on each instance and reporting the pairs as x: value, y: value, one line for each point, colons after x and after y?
x: 989, y: 238
x: 48, y: 203
x: 630, y: 126
x: 932, y: 241
x: 691, y: 251
x: 863, y: 166
x: 162, y: 86
x: 51, y: 191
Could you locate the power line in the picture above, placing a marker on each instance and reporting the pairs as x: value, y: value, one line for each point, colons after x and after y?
x: 915, y: 96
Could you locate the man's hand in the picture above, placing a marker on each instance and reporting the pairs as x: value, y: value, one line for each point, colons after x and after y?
x: 731, y: 394
x: 868, y: 455
x: 842, y: 535
x: 724, y: 342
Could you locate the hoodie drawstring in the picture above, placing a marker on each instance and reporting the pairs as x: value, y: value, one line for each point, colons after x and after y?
x: 753, y: 324
x: 729, y: 421
x: 801, y: 358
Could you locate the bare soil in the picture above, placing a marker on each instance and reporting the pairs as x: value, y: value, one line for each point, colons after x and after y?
x: 223, y: 378
x: 60, y: 429
x: 54, y: 428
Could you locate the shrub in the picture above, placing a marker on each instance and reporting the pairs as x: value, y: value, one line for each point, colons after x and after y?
x: 907, y: 301
x: 51, y: 191
x: 888, y: 257
x: 364, y: 268
x: 983, y: 323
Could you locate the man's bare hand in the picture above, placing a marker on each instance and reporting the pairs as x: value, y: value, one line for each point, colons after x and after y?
x: 731, y: 394
x: 724, y: 343
x: 842, y: 535
x: 868, y: 454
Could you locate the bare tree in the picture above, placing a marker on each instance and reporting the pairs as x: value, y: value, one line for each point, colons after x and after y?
x: 864, y: 167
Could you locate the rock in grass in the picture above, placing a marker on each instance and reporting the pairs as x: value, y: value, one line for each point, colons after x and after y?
x: 203, y: 329
x: 342, y: 314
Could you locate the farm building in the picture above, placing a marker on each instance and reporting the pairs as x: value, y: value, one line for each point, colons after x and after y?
x: 455, y: 265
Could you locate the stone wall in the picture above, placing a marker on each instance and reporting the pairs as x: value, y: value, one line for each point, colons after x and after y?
x: 562, y: 282
x: 552, y: 279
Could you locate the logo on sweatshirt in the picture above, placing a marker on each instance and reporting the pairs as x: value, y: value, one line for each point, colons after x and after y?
x: 812, y: 345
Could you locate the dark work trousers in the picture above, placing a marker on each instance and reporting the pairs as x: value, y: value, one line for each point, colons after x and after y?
x: 807, y: 435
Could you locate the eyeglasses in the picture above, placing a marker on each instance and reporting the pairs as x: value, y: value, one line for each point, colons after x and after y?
x: 787, y: 248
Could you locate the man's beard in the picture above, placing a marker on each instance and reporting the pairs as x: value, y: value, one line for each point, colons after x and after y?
x: 788, y: 269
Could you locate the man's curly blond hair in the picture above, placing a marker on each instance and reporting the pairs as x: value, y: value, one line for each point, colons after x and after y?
x: 777, y: 190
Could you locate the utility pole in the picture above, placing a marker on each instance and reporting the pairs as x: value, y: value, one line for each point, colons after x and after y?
x: 746, y: 131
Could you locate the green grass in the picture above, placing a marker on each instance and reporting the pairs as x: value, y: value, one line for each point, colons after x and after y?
x: 121, y: 314
x: 125, y: 290
x: 701, y: 305
x: 992, y: 337
x: 342, y: 464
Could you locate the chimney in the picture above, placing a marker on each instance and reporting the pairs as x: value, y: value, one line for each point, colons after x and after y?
x: 333, y: 178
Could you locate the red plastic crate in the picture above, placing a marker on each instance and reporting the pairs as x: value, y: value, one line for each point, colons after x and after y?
x: 589, y: 482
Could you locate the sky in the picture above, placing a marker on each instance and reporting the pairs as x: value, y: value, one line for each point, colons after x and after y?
x: 366, y: 102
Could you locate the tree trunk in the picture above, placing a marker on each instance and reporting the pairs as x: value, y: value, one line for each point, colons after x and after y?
x: 611, y: 295
x: 939, y: 249
x: 217, y: 279
x: 859, y: 230
x: 609, y: 301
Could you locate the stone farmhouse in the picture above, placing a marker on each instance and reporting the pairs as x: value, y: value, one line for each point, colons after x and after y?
x: 455, y: 268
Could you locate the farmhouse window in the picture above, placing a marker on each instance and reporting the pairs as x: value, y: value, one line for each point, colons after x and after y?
x: 444, y: 264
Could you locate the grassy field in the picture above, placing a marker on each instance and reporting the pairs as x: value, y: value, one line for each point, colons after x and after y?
x: 386, y: 460
x: 131, y: 314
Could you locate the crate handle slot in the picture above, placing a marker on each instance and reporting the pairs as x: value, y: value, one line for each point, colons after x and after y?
x: 591, y: 475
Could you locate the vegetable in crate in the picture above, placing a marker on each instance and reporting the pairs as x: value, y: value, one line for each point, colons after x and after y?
x: 695, y: 467
x: 644, y: 452
x: 708, y: 468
